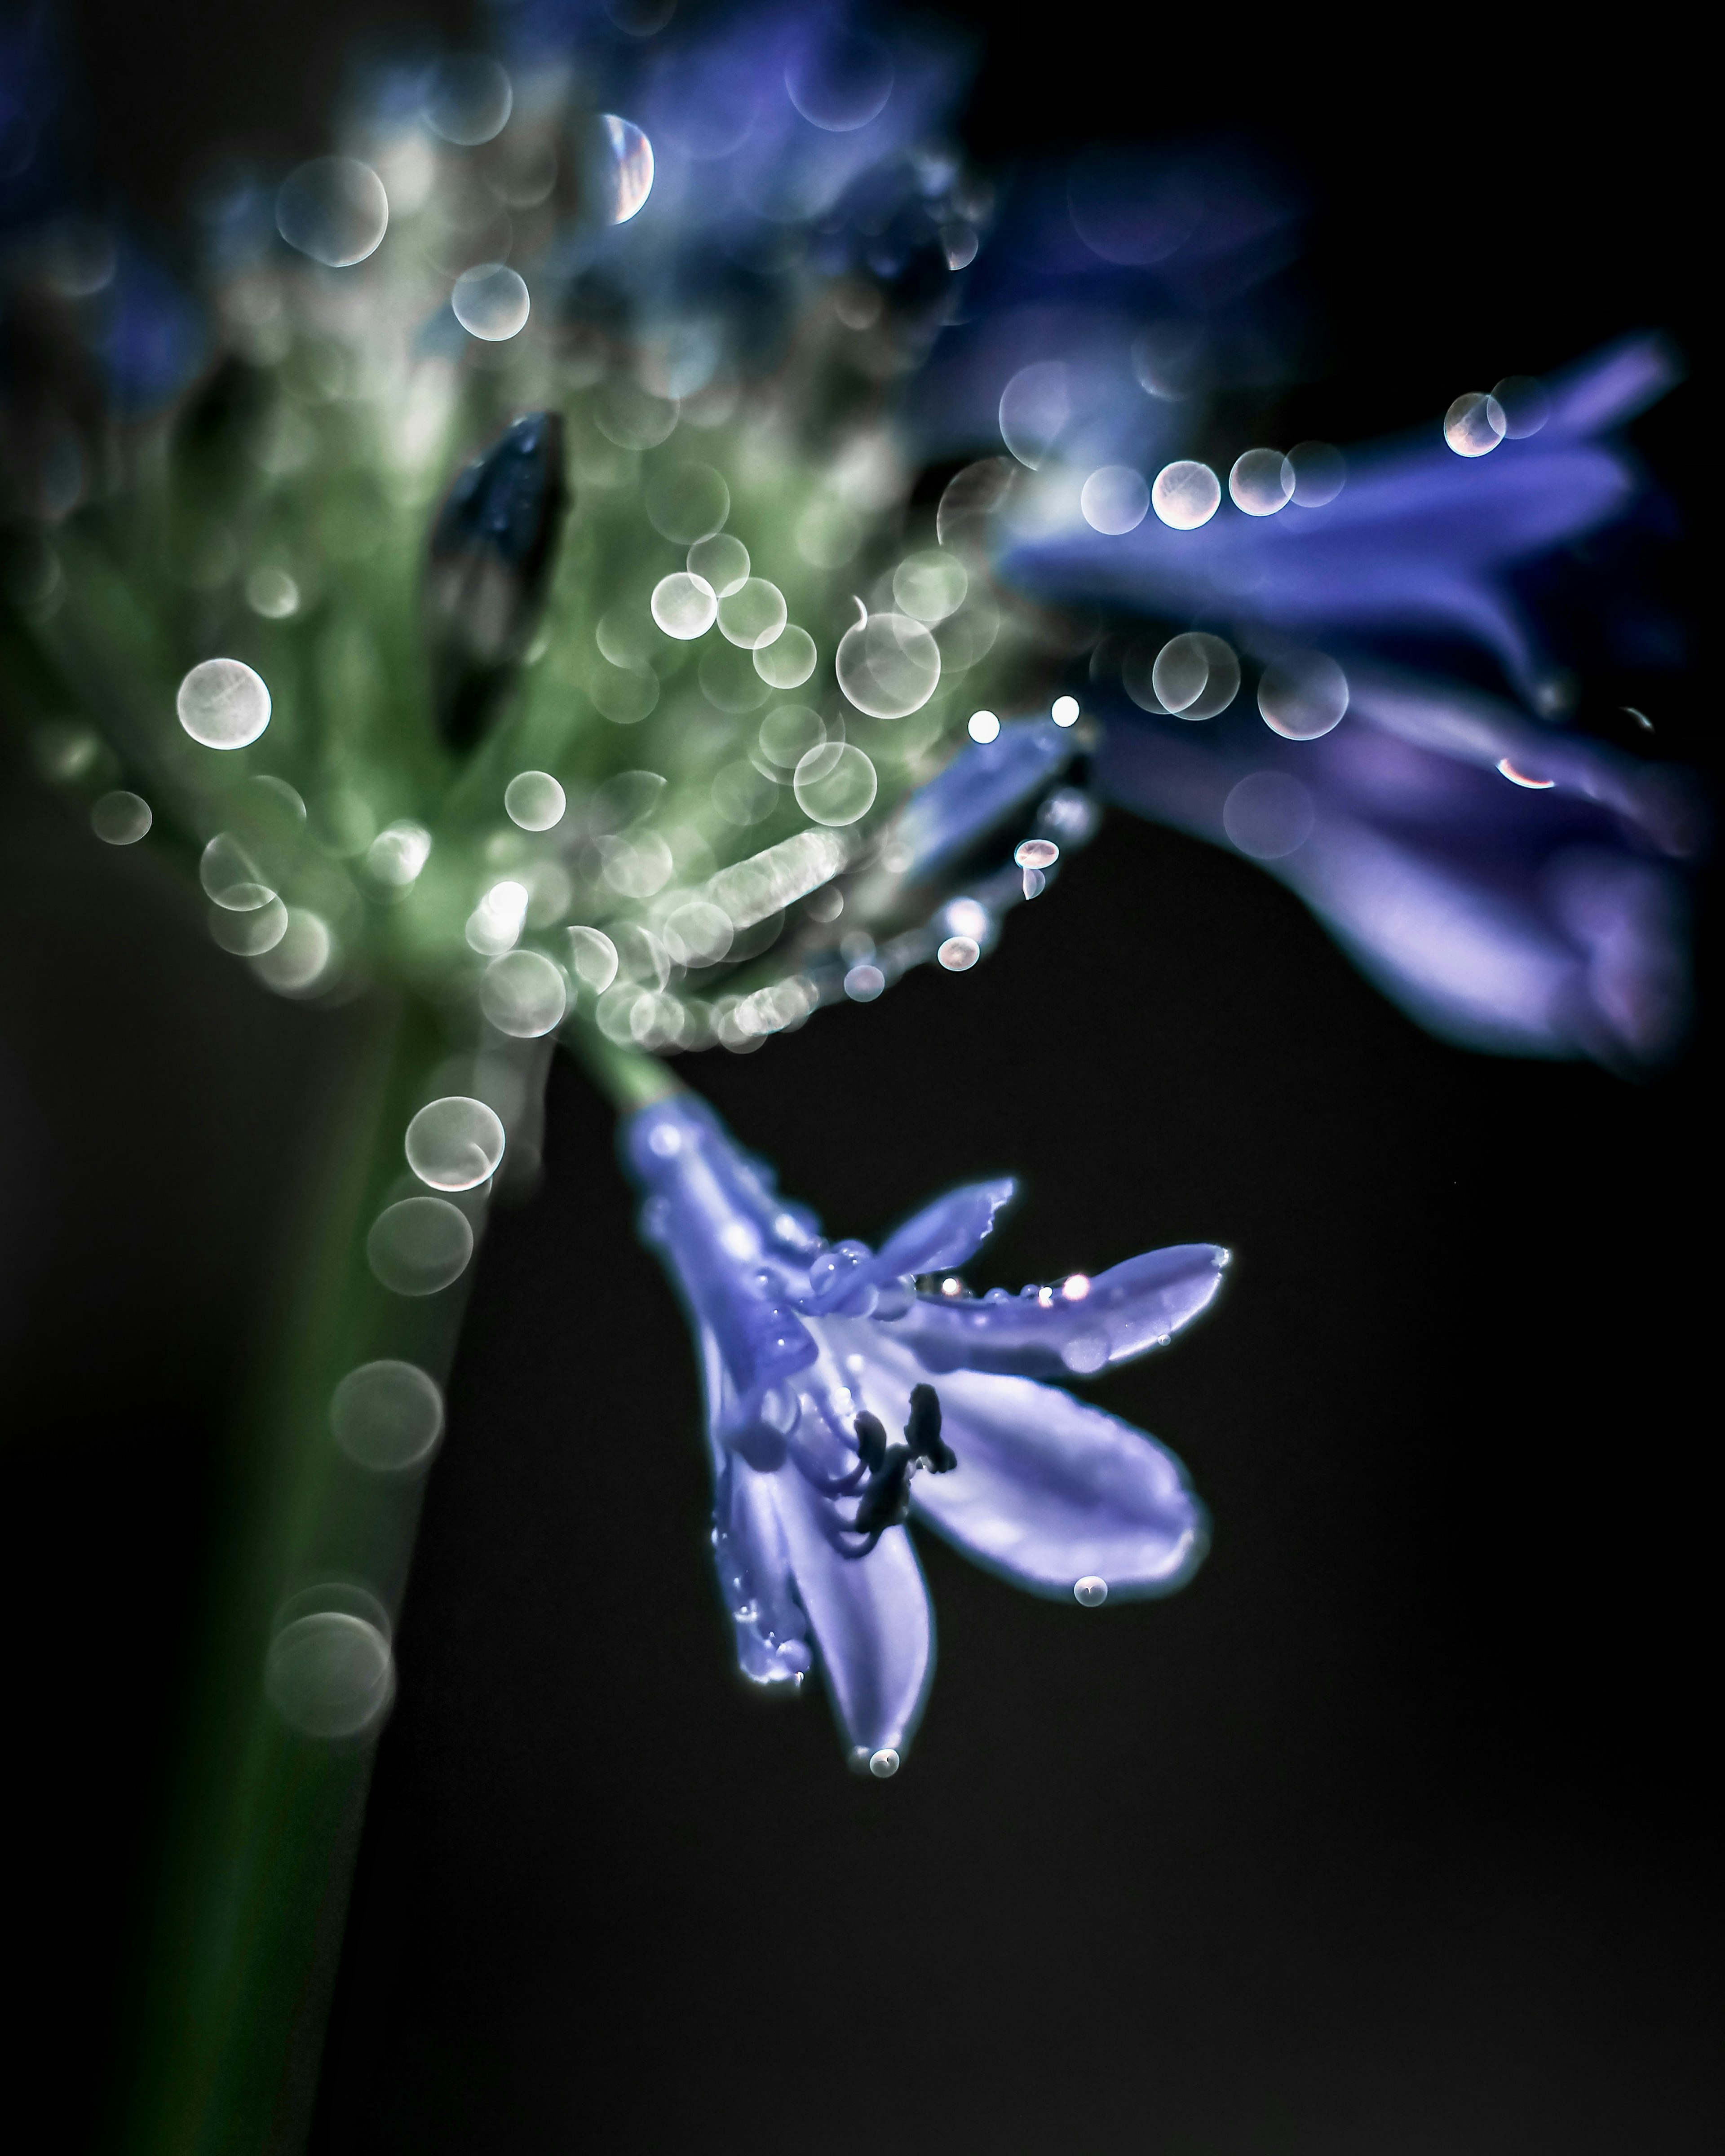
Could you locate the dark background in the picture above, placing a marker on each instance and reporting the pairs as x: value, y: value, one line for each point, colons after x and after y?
x: 1387, y: 1835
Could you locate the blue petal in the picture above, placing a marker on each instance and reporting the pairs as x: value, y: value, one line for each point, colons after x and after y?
x: 1124, y: 1312
x: 977, y: 789
x: 1050, y: 1491
x: 753, y: 1563
x: 871, y: 1619
x: 946, y: 1232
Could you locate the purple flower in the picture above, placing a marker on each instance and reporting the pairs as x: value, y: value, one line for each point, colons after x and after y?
x: 817, y: 1355
x: 1509, y: 885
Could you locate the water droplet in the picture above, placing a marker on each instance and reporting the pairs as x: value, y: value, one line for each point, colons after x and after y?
x: 1114, y: 499
x: 1525, y: 403
x: 329, y: 1674
x: 930, y: 586
x: 454, y: 1143
x: 468, y: 99
x: 1268, y: 814
x: 721, y: 561
x: 397, y: 855
x: 1522, y: 778
x: 1475, y: 425
x: 884, y: 1764
x: 593, y: 957
x: 753, y: 615
x: 1262, y: 482
x: 1037, y: 853
x: 1034, y: 407
x: 534, y: 800
x: 959, y: 953
x: 686, y: 504
x: 419, y: 1244
x: 684, y: 606
x: 491, y: 302
x: 983, y: 727
x: 864, y: 982
x: 1066, y: 711
x: 333, y: 209
x: 523, y: 994
x: 120, y: 818
x: 788, y: 660
x: 1302, y: 695
x: 387, y: 1416
x: 631, y: 167
x: 1315, y: 472
x: 273, y: 594
x: 495, y: 924
x: 834, y: 784
x: 1076, y: 1287
x: 1085, y: 1354
x: 1196, y: 676
x: 1091, y: 1591
x: 1186, y: 494
x: 888, y: 665
x: 303, y: 959
x: 1034, y: 883
x: 223, y: 704
x: 840, y: 83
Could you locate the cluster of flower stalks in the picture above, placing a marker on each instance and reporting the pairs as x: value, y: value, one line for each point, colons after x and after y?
x: 641, y: 541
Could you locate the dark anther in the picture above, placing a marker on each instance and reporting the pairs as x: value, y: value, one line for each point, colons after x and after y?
x: 891, y: 1462
x: 492, y: 549
x: 922, y: 1432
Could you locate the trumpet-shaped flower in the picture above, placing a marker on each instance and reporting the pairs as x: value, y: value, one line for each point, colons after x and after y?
x: 817, y: 1355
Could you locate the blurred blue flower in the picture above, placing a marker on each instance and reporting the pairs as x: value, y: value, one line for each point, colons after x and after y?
x: 814, y: 1352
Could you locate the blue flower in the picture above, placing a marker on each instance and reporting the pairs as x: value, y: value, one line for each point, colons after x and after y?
x: 816, y: 1356
x: 1510, y: 885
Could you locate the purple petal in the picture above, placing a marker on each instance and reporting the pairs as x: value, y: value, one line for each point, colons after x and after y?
x: 982, y: 783
x: 946, y: 1232
x: 871, y: 1620
x: 1051, y: 1490
x: 753, y: 1563
x: 1120, y: 1314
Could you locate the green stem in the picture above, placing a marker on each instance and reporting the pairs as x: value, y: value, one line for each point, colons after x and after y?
x: 627, y: 1077
x: 266, y: 1821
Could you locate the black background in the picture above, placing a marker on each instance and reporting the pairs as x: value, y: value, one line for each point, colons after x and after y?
x: 1387, y: 1835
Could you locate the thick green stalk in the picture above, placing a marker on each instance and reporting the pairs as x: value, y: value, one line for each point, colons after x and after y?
x: 266, y: 1820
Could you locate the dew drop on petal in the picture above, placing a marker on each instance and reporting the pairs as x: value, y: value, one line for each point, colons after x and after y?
x: 888, y: 665
x: 840, y: 82
x: 387, y: 1416
x: 592, y: 956
x: 1475, y: 425
x: 1037, y: 853
x: 884, y: 1764
x: 834, y: 784
x: 120, y: 818
x: 454, y: 1143
x: 788, y: 660
x: 523, y: 994
x: 468, y: 99
x: 223, y: 704
x: 1186, y: 494
x: 1523, y: 778
x: 1268, y: 814
x: 864, y: 982
x: 1092, y: 1591
x: 1115, y: 499
x: 1195, y: 675
x: 1262, y: 482
x: 684, y: 606
x: 334, y: 209
x: 753, y: 615
x: 983, y: 727
x: 534, y: 800
x: 959, y: 953
x: 490, y: 302
x: 721, y: 561
x: 687, y: 503
x: 631, y: 177
x: 1066, y: 711
x: 1315, y: 473
x: 419, y: 1244
x: 329, y: 1674
x: 1302, y: 695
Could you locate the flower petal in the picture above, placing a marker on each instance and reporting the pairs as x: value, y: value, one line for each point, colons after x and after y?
x: 983, y: 785
x: 1120, y: 1314
x: 753, y: 1563
x: 946, y: 1232
x: 871, y: 1620
x: 1050, y: 1491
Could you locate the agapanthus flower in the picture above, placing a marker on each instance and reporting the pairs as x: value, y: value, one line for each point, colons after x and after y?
x: 817, y: 1355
